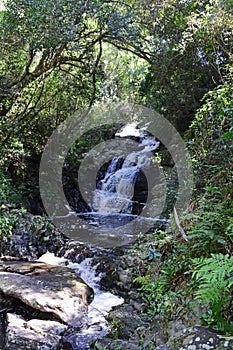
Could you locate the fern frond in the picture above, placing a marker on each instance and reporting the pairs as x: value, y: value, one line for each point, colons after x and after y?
x: 214, y: 276
x: 217, y: 268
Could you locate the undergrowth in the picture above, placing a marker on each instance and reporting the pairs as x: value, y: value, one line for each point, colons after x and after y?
x: 200, y: 270
x: 10, y: 198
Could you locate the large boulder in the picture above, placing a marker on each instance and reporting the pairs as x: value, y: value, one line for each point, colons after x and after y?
x: 53, y: 289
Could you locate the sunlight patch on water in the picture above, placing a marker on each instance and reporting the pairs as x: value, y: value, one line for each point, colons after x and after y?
x: 129, y: 130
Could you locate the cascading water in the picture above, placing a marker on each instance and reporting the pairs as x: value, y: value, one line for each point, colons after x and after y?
x: 95, y: 326
x: 116, y: 191
x: 116, y: 196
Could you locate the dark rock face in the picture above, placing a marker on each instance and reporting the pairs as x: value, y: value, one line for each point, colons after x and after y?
x: 166, y: 158
x: 73, y: 160
x: 76, y: 201
x: 140, y: 193
x: 54, y: 289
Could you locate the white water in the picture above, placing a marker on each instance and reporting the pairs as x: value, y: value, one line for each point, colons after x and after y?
x: 96, y: 326
x: 115, y: 192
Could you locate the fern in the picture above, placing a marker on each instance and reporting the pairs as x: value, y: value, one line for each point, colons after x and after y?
x: 217, y: 268
x: 214, y: 276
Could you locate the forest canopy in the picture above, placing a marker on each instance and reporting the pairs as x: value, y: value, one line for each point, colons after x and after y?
x: 57, y: 57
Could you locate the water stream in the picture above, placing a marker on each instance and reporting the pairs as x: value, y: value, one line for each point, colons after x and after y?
x: 96, y: 325
x: 113, y: 219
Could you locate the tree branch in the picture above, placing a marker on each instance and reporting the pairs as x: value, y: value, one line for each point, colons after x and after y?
x: 94, y: 73
x: 179, y: 225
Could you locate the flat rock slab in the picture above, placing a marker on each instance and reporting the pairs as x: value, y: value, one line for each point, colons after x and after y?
x: 52, y: 289
x: 33, y: 334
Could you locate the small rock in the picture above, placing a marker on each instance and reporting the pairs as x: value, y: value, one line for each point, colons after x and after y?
x: 116, y: 344
x: 42, y: 326
x: 137, y: 306
x: 32, y: 335
x: 124, y: 276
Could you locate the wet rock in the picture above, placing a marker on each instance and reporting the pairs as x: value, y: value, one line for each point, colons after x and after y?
x: 32, y: 335
x: 82, y: 339
x: 54, y: 289
x: 76, y: 252
x: 140, y: 193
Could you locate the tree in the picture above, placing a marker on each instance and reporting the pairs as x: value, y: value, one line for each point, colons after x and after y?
x: 51, y: 63
x: 67, y: 35
x: 191, y: 43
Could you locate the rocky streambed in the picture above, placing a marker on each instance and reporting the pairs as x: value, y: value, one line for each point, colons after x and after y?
x: 60, y: 294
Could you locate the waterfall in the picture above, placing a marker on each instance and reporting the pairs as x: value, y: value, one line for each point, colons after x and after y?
x: 116, y: 191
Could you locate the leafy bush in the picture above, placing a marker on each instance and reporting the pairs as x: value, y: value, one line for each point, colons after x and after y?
x: 212, y: 131
x: 212, y: 230
x: 8, y: 194
x: 7, y: 222
x: 210, y: 226
x: 214, y: 276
